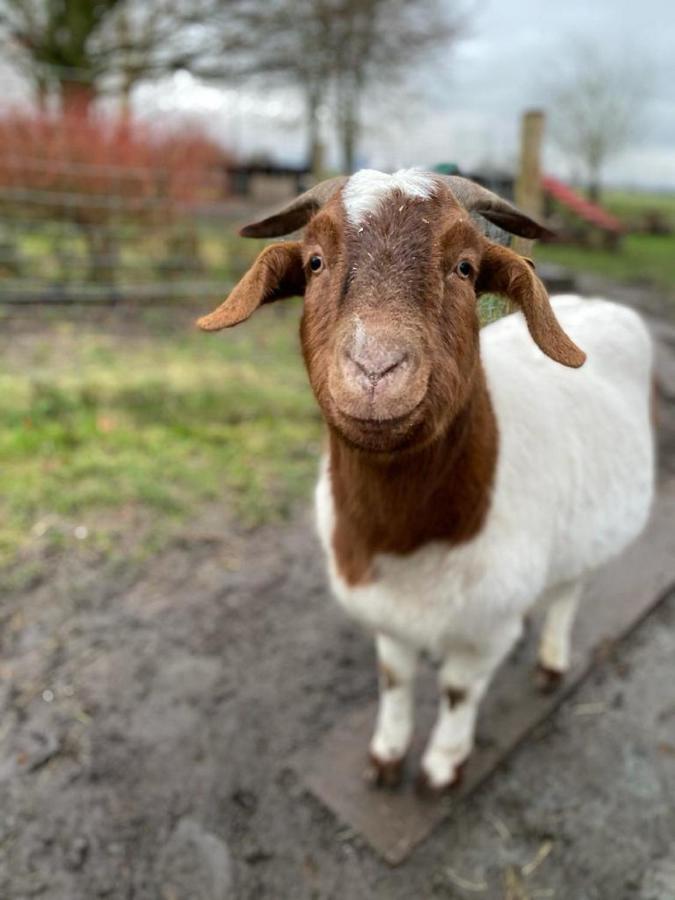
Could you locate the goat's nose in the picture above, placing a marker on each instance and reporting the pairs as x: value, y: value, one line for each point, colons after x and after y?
x: 374, y: 362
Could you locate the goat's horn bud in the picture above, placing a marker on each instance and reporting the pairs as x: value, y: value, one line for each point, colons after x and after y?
x: 297, y: 213
x: 475, y: 198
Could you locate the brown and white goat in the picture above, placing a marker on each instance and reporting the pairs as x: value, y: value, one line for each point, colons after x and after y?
x: 468, y: 473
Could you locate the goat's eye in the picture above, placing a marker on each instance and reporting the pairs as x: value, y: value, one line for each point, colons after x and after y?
x: 464, y: 268
x: 315, y: 263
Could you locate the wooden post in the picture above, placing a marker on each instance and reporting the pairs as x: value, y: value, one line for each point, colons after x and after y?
x: 528, y: 195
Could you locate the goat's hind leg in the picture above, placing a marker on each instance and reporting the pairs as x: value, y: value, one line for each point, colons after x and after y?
x: 555, y: 642
x: 394, y: 726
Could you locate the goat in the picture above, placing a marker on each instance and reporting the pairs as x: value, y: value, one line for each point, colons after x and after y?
x: 468, y: 474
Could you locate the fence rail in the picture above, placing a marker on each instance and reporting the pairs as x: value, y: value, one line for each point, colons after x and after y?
x: 75, y: 167
x: 59, y: 247
x: 121, y: 203
x: 26, y: 293
x: 101, y: 210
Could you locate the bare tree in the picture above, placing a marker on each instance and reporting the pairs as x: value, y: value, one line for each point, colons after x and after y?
x: 379, y: 43
x: 49, y: 41
x: 74, y: 46
x: 333, y: 51
x: 596, y: 105
x: 274, y: 42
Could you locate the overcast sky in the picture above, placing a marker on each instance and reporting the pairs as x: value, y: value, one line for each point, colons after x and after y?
x: 468, y: 109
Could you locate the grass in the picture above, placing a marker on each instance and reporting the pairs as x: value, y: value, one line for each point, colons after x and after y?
x: 92, y: 423
x: 645, y: 259
x: 96, y: 428
x: 642, y: 258
x: 55, y: 253
x: 631, y: 205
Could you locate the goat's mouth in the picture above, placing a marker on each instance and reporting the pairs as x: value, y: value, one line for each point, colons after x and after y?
x: 382, y: 413
x: 376, y: 423
x: 378, y: 433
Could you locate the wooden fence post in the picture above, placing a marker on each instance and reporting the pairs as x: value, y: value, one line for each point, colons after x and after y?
x: 528, y: 194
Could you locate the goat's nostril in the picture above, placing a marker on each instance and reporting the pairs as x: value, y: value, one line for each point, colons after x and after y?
x: 356, y: 362
x: 400, y: 358
x: 376, y: 365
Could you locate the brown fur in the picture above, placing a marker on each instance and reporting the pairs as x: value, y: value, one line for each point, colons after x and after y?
x: 428, y: 792
x: 276, y: 273
x: 504, y: 272
x: 388, y: 680
x: 397, y: 504
x: 455, y: 696
x: 385, y: 773
x: 548, y: 680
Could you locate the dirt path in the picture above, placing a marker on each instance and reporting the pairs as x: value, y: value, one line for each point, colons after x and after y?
x: 149, y: 723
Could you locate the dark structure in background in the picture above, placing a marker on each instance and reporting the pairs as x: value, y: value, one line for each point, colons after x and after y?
x: 267, y: 182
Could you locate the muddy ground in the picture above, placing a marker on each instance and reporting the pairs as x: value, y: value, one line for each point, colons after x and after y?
x: 150, y: 721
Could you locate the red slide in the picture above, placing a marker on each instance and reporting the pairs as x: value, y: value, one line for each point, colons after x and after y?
x: 579, y: 205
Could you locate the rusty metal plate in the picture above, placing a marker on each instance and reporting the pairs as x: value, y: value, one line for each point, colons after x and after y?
x: 393, y: 823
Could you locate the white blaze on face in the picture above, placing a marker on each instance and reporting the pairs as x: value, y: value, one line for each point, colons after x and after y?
x: 366, y: 189
x: 360, y: 335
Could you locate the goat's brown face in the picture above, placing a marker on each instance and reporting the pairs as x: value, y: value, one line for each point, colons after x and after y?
x: 390, y: 328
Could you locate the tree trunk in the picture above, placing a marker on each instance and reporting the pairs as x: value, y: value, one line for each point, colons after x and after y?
x: 348, y: 124
x: 41, y: 94
x: 77, y: 98
x: 125, y: 98
x: 593, y: 188
x: 314, y: 147
x: 594, y: 192
x: 348, y: 140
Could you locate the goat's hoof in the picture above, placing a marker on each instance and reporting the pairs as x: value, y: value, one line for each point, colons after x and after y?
x: 548, y: 680
x: 428, y: 789
x: 384, y: 773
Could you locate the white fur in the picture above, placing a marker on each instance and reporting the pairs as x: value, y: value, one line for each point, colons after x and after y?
x: 395, y: 721
x: 467, y: 669
x: 555, y: 645
x: 573, y: 487
x: 366, y: 189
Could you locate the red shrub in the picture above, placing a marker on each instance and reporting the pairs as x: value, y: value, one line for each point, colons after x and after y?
x: 92, y: 169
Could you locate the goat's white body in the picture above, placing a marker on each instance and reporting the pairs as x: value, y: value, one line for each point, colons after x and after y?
x: 573, y: 487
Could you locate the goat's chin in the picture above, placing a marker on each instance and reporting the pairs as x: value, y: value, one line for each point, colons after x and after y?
x: 378, y: 435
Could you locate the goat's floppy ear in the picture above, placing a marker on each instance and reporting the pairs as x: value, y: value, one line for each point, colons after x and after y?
x: 504, y: 272
x: 277, y: 273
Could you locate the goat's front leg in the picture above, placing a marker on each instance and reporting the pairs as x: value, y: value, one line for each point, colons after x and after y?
x: 394, y: 726
x: 463, y: 679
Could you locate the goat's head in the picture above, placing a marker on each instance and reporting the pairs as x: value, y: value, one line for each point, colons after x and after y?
x: 390, y: 267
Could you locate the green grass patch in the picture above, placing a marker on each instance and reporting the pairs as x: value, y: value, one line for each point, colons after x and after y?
x: 92, y: 422
x: 646, y: 259
x: 57, y: 252
x: 95, y: 427
x: 630, y: 206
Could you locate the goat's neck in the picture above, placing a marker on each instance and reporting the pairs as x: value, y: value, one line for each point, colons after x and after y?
x: 396, y: 505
